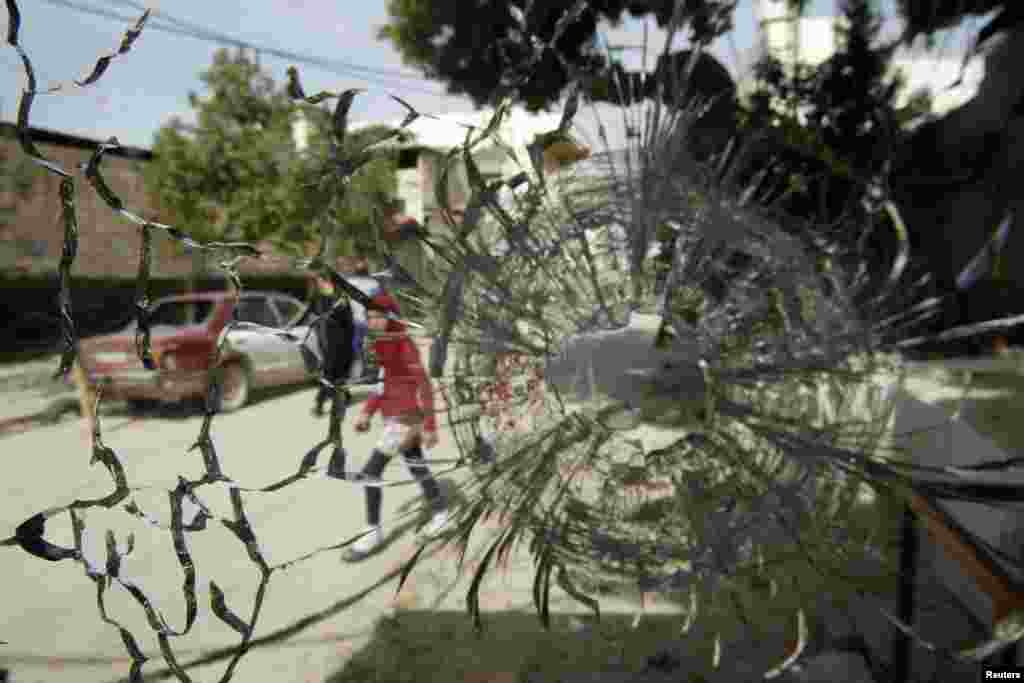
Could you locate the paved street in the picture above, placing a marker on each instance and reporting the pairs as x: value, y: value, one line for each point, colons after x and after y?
x: 49, y: 612
x: 316, y: 614
x: 49, y: 616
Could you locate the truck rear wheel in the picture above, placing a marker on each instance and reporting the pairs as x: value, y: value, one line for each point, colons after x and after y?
x: 141, y: 406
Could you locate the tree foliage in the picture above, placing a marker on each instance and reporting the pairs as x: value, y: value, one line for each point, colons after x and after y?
x: 853, y: 98
x: 471, y: 50
x: 838, y: 121
x: 669, y: 79
x: 237, y: 174
x: 356, y: 218
x: 226, y: 177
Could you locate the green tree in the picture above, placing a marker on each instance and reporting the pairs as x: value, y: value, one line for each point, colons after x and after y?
x: 853, y: 97
x: 472, y: 51
x: 225, y: 178
x: 237, y: 174
x: 354, y: 220
x: 838, y: 121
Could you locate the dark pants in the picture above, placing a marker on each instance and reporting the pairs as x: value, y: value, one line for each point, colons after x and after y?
x: 414, y: 460
x: 324, y: 393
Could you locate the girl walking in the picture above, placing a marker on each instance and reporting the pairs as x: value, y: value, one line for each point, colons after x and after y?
x: 407, y: 405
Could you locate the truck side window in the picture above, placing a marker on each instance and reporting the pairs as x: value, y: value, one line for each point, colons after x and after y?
x: 256, y: 310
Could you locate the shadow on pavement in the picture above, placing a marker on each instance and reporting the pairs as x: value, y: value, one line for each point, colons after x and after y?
x: 192, y: 408
x: 434, y: 646
x: 281, y: 636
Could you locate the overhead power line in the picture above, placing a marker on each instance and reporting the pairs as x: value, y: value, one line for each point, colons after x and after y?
x: 166, y: 24
x: 140, y: 7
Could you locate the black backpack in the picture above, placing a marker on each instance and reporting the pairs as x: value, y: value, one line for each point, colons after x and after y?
x: 328, y: 347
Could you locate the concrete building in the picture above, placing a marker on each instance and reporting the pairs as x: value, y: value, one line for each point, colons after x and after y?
x: 422, y: 159
x: 32, y: 239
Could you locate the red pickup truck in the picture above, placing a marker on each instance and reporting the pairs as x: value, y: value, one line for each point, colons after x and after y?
x: 184, y: 332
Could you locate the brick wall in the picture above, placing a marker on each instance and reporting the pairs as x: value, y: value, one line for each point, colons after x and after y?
x: 32, y: 241
x: 108, y: 245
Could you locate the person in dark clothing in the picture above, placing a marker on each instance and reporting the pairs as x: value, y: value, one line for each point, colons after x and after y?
x: 363, y: 369
x: 333, y: 337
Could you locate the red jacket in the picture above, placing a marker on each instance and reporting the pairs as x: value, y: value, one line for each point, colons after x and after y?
x: 407, y: 388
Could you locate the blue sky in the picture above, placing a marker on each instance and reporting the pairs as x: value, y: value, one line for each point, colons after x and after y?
x: 145, y: 87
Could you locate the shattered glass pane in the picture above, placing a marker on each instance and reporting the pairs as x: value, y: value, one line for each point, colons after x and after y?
x: 667, y: 426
